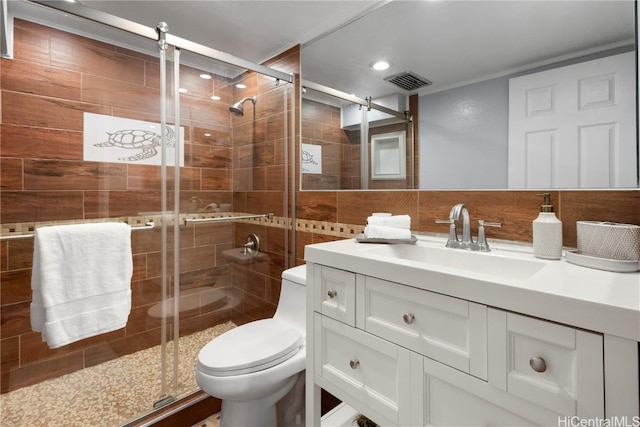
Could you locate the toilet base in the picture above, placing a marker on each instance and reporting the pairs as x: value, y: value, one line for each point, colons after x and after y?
x: 255, y: 413
x: 249, y: 414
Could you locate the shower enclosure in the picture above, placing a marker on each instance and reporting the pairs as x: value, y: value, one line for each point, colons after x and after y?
x: 104, y: 120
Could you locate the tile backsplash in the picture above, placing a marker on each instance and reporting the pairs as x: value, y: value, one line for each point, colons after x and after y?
x: 514, y: 209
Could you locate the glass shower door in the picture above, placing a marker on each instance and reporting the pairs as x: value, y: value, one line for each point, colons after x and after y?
x: 89, y: 137
x: 95, y: 145
x: 234, y: 173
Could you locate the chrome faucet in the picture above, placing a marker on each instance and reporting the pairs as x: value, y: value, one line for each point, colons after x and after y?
x: 467, y: 241
x: 454, y: 216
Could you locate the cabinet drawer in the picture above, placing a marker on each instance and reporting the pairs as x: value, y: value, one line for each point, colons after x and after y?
x: 554, y: 366
x: 446, y: 329
x: 335, y: 293
x: 452, y: 398
x: 367, y: 369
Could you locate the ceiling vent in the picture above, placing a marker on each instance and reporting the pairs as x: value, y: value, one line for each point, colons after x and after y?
x: 408, y: 81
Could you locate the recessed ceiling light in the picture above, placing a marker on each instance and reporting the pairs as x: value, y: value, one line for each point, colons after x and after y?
x: 205, y: 76
x: 215, y: 97
x: 380, y: 65
x: 241, y: 86
x: 183, y: 90
x: 207, y: 134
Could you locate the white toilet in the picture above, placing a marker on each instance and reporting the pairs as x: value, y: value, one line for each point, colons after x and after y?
x: 252, y: 367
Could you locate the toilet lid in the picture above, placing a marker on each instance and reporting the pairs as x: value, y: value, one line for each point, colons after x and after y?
x: 249, y: 348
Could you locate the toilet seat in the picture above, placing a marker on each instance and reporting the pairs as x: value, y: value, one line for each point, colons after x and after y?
x: 249, y: 348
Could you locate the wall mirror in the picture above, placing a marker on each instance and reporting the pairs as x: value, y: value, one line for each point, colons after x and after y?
x: 466, y: 61
x: 349, y: 143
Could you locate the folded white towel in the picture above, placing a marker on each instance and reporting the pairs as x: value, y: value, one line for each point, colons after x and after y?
x: 397, y: 221
x: 81, y: 281
x: 391, y: 233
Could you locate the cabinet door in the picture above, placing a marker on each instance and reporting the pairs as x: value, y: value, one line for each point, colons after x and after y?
x: 335, y: 293
x: 366, y: 372
x: 452, y: 398
x: 555, y: 366
x: 449, y: 330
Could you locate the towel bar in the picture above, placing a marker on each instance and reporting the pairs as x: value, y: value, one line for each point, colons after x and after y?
x: 147, y: 226
x: 187, y: 221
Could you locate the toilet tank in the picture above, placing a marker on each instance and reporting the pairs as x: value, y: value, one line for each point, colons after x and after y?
x: 293, y: 298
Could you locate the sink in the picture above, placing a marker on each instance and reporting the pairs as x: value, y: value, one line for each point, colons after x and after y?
x: 506, y: 267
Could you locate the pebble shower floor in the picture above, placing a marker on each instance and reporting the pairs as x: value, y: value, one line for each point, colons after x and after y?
x: 105, y: 395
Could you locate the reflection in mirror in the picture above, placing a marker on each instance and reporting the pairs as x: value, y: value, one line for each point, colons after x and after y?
x: 522, y: 94
x: 342, y: 148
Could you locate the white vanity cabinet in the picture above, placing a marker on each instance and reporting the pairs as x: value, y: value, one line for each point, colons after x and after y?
x: 407, y: 356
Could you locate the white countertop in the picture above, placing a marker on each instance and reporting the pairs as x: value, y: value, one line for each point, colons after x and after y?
x: 596, y: 300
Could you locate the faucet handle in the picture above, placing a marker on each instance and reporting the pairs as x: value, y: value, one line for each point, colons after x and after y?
x: 483, y: 246
x: 484, y: 223
x: 452, y: 242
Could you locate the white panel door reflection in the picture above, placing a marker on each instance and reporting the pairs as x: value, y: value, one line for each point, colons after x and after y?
x: 574, y: 126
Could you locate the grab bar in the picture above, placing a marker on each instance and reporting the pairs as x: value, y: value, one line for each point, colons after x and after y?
x: 149, y: 225
x: 227, y: 218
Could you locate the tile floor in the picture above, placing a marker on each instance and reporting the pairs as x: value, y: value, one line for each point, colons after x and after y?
x: 107, y: 394
x: 212, y: 421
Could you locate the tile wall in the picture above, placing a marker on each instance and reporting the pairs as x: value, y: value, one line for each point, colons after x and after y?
x: 55, y: 77
x: 348, y: 210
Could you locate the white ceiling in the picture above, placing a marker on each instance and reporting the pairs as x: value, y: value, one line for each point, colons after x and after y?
x: 456, y: 42
x: 448, y: 42
x: 252, y: 30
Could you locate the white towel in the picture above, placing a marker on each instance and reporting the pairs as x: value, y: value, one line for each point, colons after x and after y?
x: 81, y: 281
x: 397, y: 221
x: 390, y: 233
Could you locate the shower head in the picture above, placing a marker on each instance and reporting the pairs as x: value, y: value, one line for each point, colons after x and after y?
x: 237, y: 109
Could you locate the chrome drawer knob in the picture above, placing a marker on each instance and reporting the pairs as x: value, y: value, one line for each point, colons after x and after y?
x: 538, y: 364
x: 354, y: 363
x: 332, y: 293
x: 408, y: 318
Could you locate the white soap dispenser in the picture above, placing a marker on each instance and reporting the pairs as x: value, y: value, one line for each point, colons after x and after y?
x: 547, y: 232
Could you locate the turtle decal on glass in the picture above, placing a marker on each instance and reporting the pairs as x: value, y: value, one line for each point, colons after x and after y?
x: 135, y: 139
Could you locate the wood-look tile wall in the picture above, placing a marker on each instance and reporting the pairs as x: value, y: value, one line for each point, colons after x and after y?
x: 514, y: 209
x: 54, y: 78
x: 321, y: 126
